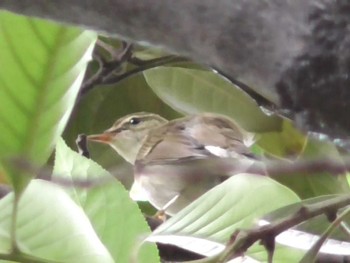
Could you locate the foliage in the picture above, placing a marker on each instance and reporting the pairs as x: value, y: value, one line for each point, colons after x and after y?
x: 80, y: 212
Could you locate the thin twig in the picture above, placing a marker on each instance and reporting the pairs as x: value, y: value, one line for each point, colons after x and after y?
x: 309, y: 167
x: 273, y: 168
x: 260, y: 100
x: 141, y: 62
x: 110, y: 49
x: 108, y: 68
x: 155, y: 63
x: 46, y: 174
x: 345, y: 229
x: 95, y: 78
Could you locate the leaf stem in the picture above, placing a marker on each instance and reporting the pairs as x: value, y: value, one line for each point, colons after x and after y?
x: 14, y: 246
x: 24, y: 258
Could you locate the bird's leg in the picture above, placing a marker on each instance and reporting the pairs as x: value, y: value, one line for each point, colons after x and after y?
x: 161, y: 213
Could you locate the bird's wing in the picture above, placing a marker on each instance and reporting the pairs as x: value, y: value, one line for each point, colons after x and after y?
x: 197, y: 136
x: 170, y: 142
x: 220, y: 135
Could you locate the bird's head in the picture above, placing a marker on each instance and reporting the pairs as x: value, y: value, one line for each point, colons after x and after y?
x: 127, y: 134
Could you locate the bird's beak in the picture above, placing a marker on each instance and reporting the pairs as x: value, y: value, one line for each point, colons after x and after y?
x: 102, y: 138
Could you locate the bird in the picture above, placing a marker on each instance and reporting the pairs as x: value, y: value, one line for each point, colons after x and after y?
x: 179, y: 160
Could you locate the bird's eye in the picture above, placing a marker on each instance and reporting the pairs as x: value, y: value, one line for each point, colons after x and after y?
x: 134, y: 121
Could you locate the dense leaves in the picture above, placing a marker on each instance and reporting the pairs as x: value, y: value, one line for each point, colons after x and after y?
x: 41, y: 68
x: 234, y: 204
x: 85, y: 214
x: 116, y: 219
x: 51, y: 226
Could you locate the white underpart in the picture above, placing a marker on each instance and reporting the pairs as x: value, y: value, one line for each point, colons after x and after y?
x: 138, y: 193
x: 220, y: 152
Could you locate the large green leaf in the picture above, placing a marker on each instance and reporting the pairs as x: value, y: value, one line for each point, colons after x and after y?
x: 207, y: 224
x: 192, y: 91
x: 115, y: 217
x: 41, y: 68
x: 308, y: 184
x: 51, y: 226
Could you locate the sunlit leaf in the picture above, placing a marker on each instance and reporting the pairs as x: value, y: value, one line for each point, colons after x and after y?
x: 51, y: 226
x: 41, y: 67
x: 207, y: 224
x: 191, y: 91
x: 115, y: 217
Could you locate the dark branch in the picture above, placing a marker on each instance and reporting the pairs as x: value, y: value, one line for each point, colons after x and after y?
x: 107, y: 74
x: 243, y: 239
x: 107, y: 68
x: 294, y: 53
x: 309, y: 167
x: 152, y: 64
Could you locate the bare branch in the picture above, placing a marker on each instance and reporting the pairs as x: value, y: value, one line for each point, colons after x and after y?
x: 307, y: 167
x: 293, y: 52
x: 146, y: 65
x: 241, y: 240
x: 107, y: 68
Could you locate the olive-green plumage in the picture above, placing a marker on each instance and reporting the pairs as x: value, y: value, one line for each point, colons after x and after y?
x: 177, y: 161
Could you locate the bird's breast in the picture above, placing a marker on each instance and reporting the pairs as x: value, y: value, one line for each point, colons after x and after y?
x: 188, y: 179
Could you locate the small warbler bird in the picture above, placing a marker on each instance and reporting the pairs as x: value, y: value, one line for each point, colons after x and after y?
x: 177, y: 161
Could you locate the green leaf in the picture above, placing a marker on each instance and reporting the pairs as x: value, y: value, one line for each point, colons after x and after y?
x: 191, y: 91
x: 147, y: 53
x: 289, y: 142
x: 308, y: 185
x: 236, y: 203
x: 51, y: 226
x: 42, y: 65
x: 115, y: 217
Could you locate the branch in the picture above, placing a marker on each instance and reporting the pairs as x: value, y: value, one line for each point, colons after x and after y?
x: 311, y: 255
x: 107, y: 68
x: 145, y: 65
x: 294, y: 53
x: 307, y: 167
x: 224, y: 34
x: 106, y: 76
x: 241, y: 240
